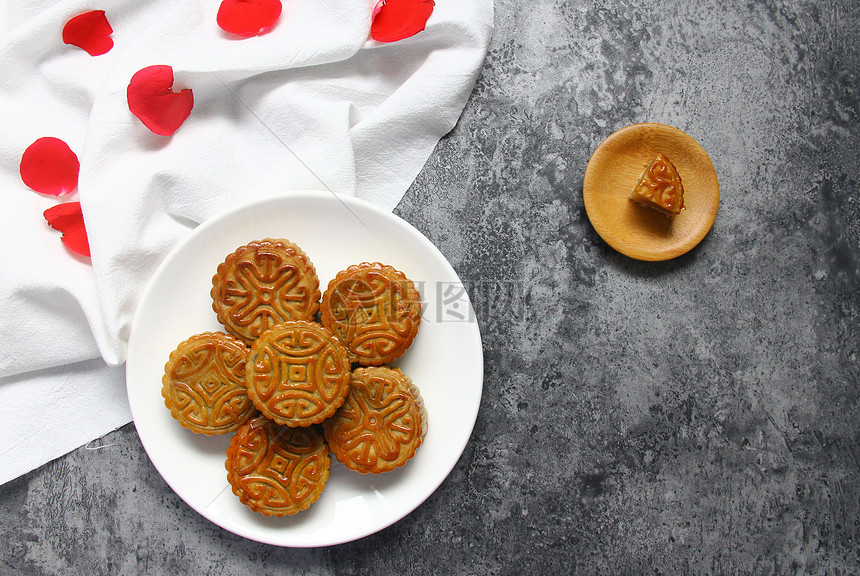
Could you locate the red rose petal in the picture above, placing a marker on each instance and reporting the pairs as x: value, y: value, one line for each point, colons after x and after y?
x: 152, y: 100
x: 395, y: 20
x: 248, y: 18
x: 68, y: 219
x: 90, y: 31
x: 49, y: 166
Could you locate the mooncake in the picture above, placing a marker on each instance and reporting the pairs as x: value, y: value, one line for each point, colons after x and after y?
x: 264, y: 283
x: 381, y: 424
x: 204, y: 384
x: 276, y: 470
x: 298, y: 373
x: 374, y: 309
x: 660, y: 187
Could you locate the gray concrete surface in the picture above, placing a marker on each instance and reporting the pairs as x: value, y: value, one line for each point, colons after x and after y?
x: 716, y: 435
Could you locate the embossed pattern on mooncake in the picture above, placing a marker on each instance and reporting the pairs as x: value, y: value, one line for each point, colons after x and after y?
x: 276, y: 470
x: 263, y: 284
x: 374, y: 309
x: 204, y: 384
x: 381, y: 424
x: 298, y: 373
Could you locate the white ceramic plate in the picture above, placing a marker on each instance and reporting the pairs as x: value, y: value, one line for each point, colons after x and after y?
x: 445, y: 361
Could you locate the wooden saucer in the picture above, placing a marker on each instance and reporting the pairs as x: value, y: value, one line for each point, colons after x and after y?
x: 636, y: 231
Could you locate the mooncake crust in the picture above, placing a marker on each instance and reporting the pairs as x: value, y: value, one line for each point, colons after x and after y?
x: 374, y: 309
x: 276, y: 470
x: 264, y: 283
x: 204, y: 384
x: 381, y: 424
x: 298, y: 373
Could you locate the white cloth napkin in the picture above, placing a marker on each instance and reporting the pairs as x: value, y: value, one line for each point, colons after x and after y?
x: 313, y: 104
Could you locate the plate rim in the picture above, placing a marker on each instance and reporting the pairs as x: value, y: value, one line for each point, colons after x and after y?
x: 314, y: 195
x: 607, y: 233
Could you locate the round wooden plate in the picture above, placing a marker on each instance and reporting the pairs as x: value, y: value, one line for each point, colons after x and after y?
x: 637, y: 231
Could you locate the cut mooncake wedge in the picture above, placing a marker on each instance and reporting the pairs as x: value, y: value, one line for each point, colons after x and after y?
x: 660, y: 187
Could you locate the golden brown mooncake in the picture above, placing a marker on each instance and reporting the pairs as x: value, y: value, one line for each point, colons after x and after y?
x: 276, y: 470
x: 381, y: 424
x: 264, y: 283
x: 204, y: 384
x: 660, y: 187
x: 374, y: 309
x: 298, y: 373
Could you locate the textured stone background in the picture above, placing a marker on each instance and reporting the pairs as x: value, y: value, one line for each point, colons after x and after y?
x: 699, y: 416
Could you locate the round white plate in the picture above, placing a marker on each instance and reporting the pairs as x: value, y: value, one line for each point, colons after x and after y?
x: 445, y: 362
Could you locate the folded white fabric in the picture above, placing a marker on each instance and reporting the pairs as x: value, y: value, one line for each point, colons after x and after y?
x: 312, y: 104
